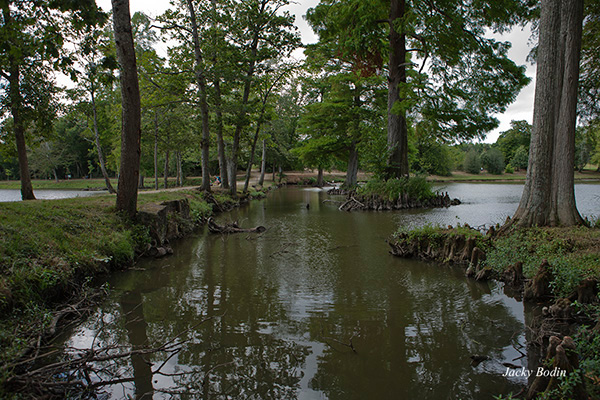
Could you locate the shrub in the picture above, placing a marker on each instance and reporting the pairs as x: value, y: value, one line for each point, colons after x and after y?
x: 520, y: 159
x: 472, y: 163
x: 509, y: 169
x: 493, y: 161
x: 416, y: 188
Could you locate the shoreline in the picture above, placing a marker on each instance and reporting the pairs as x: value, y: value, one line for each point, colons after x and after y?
x: 51, y: 285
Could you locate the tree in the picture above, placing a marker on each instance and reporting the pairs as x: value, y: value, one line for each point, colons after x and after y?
x: 548, y: 197
x: 493, y: 161
x: 520, y: 158
x: 31, y: 46
x: 131, y: 109
x: 201, y: 83
x: 265, y: 35
x: 468, y: 78
x: 472, y: 163
x: 510, y: 140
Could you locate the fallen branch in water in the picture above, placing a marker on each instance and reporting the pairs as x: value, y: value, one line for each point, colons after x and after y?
x: 233, y: 227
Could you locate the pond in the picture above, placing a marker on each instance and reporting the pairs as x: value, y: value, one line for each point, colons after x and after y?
x: 45, y: 194
x: 315, y: 308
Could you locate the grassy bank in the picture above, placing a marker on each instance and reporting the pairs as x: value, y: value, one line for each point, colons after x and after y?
x: 51, y: 251
x: 92, y: 184
x: 519, y: 176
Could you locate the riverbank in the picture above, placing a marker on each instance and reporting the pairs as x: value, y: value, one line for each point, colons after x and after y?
x: 54, y: 253
x: 555, y: 267
x: 307, y: 177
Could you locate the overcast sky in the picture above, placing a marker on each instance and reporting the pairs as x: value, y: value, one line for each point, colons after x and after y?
x: 522, y: 108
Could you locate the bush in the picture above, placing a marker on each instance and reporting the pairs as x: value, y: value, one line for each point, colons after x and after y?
x: 416, y: 188
x: 509, y: 169
x: 472, y: 162
x: 520, y: 159
x: 493, y: 161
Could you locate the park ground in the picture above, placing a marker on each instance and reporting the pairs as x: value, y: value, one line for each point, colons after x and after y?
x: 291, y: 177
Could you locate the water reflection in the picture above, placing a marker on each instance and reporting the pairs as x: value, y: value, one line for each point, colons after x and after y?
x: 313, y: 308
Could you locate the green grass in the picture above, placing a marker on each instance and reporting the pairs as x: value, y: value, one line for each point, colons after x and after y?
x: 50, y: 249
x: 573, y: 254
x: 92, y: 184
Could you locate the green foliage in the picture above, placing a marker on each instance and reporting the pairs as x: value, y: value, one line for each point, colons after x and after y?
x: 472, y: 162
x: 416, y: 188
x: 509, y: 141
x: 432, y: 157
x: 493, y: 161
x: 571, y: 253
x: 520, y: 159
x: 509, y: 169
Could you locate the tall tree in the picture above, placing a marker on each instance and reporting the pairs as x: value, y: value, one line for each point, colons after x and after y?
x: 265, y: 34
x: 131, y: 109
x: 463, y: 77
x: 202, y: 89
x: 548, y: 197
x: 30, y: 47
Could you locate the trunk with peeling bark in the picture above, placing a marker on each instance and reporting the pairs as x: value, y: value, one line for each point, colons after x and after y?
x: 548, y: 197
x: 201, y: 82
x: 109, y: 186
x: 397, y: 131
x: 131, y: 118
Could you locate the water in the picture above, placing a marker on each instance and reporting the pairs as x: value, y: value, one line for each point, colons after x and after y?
x: 315, y: 308
x: 45, y: 194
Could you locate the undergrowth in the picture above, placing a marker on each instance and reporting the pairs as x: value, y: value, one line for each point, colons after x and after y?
x: 417, y: 188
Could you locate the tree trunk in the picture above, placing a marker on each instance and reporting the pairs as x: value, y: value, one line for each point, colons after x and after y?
x: 201, y: 82
x: 220, y: 143
x: 397, y: 132
x: 273, y: 172
x: 252, y: 151
x: 548, y: 196
x: 109, y: 186
x: 141, y: 182
x: 131, y: 120
x: 55, y: 175
x: 232, y: 175
x: 16, y: 102
x: 263, y: 164
x: 352, y: 172
x: 564, y: 211
x: 242, y: 115
x: 320, y: 180
x: 155, y: 151
x: 179, y: 169
x: 166, y: 170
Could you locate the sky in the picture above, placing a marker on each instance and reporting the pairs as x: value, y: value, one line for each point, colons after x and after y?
x: 521, y: 109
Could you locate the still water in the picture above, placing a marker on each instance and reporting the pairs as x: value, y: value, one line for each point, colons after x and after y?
x: 45, y: 194
x: 315, y: 308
